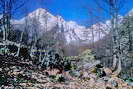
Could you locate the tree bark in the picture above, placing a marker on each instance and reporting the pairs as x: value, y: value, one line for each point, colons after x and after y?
x: 18, y: 52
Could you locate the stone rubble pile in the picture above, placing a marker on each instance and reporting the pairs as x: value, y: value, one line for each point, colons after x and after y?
x: 89, y: 76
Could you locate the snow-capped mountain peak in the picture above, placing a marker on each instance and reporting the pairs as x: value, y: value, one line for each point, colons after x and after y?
x: 37, y: 12
x: 71, y: 30
x: 130, y: 13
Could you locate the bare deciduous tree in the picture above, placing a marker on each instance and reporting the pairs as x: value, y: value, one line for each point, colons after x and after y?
x: 113, y: 7
x: 8, y: 8
x: 25, y: 30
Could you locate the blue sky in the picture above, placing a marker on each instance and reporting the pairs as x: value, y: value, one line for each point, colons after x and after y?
x: 76, y: 10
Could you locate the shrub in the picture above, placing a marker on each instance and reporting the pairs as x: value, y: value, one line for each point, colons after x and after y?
x: 52, y: 59
x: 86, y: 55
x: 4, y: 50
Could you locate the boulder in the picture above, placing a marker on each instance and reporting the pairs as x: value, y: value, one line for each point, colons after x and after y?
x: 91, y: 64
x: 113, y: 83
x: 85, y: 75
x: 108, y: 71
x: 101, y: 81
x: 92, y: 82
x: 129, y: 83
x: 0, y: 69
x: 53, y: 71
x: 117, y: 82
x: 75, y: 73
x: 67, y: 75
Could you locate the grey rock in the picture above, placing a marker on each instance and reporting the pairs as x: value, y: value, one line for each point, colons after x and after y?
x: 91, y: 64
x: 129, y: 83
x: 113, y: 83
x: 75, y: 73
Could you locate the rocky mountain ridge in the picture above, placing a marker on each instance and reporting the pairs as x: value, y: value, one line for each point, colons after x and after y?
x: 71, y: 30
x: 73, y: 33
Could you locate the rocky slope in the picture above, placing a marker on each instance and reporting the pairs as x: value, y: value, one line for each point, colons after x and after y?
x: 25, y: 75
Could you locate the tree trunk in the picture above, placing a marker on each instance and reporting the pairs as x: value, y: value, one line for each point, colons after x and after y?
x: 18, y: 52
x: 116, y: 40
x: 115, y: 60
x: 40, y: 56
x: 119, y: 68
x: 4, y: 28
